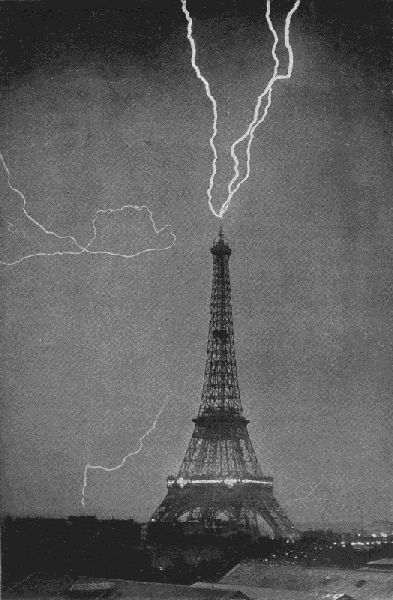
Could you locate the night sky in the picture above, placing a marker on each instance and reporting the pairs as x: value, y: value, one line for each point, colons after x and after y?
x: 100, y: 108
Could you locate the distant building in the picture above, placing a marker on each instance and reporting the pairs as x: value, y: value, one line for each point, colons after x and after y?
x: 382, y: 564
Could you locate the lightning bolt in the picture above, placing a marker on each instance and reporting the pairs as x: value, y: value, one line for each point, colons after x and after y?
x: 248, y: 135
x: 79, y: 249
x: 89, y: 467
x: 257, y: 120
x: 211, y: 98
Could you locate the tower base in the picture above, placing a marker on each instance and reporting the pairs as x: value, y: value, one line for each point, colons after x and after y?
x: 229, y: 507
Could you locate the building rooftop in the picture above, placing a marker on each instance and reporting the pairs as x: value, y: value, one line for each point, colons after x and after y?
x: 47, y: 587
x: 312, y: 582
x: 381, y: 562
x: 250, y: 580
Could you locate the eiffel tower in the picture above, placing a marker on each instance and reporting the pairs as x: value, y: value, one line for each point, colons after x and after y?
x: 220, y: 483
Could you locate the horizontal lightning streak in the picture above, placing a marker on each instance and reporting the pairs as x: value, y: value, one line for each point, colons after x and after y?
x: 89, y: 467
x: 80, y: 249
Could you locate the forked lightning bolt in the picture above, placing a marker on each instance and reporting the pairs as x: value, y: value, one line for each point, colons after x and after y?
x: 89, y: 467
x: 257, y: 120
x: 79, y: 248
x: 235, y: 184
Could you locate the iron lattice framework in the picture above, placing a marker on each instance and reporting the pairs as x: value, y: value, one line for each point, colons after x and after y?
x: 220, y: 482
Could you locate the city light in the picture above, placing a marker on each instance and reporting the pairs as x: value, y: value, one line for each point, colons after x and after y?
x: 229, y: 481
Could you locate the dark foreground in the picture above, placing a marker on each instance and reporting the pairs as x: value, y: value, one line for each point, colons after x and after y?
x: 250, y: 580
x: 114, y: 549
x: 65, y: 549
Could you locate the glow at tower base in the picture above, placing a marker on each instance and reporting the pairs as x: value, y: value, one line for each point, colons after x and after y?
x: 228, y: 481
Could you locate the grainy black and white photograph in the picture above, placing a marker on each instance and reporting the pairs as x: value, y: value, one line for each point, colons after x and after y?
x: 197, y: 299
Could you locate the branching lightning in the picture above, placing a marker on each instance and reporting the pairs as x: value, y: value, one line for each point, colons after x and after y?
x: 248, y: 135
x: 89, y: 467
x: 79, y: 248
x: 257, y: 120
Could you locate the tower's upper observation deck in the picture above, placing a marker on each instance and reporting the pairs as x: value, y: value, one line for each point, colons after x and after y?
x: 220, y: 247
